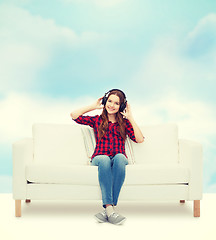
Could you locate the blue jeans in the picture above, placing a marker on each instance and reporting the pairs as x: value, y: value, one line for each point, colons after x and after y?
x: 111, y: 175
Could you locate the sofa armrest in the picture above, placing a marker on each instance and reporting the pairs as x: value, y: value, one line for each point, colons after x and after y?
x: 22, y: 154
x: 191, y: 156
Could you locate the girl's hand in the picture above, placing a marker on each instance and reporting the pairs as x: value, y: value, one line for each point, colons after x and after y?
x: 127, y: 112
x: 98, y: 104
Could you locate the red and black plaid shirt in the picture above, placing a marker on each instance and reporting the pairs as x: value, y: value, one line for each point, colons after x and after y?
x: 112, y: 142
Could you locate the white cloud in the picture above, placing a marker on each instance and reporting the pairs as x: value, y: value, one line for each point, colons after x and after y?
x: 173, y: 63
x: 161, y: 64
x: 201, y: 41
x: 166, y: 65
x: 206, y: 25
x: 19, y: 65
x: 28, y: 43
x: 18, y: 25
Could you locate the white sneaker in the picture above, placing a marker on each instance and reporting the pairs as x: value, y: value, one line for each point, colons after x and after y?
x: 116, y: 218
x: 101, y: 217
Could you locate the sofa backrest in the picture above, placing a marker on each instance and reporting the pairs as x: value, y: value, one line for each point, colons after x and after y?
x: 58, y: 144
x: 65, y: 144
x: 160, y: 145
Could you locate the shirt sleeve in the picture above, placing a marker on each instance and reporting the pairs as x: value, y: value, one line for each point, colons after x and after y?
x: 129, y: 130
x: 86, y: 120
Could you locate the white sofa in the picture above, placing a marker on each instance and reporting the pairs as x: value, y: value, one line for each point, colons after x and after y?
x: 54, y: 164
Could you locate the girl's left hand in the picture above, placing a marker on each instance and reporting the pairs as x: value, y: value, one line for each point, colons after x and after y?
x: 127, y: 112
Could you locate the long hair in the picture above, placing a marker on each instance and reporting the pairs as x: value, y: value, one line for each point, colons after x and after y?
x: 119, y: 118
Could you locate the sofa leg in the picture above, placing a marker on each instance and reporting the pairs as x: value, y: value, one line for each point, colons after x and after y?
x: 27, y: 200
x: 18, y: 208
x: 182, y: 201
x: 196, y: 208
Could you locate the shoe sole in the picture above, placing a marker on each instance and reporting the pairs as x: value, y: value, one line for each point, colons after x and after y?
x: 119, y: 223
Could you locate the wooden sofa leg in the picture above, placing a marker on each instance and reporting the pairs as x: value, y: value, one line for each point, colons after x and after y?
x: 196, y: 208
x: 27, y: 200
x: 18, y: 208
x: 182, y: 201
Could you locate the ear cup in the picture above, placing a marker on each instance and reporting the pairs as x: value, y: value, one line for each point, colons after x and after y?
x: 123, y: 106
x: 104, y: 100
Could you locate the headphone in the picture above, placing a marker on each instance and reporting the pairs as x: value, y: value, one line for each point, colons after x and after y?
x: 122, y: 106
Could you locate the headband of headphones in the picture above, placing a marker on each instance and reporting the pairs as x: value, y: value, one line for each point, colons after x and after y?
x: 122, y: 106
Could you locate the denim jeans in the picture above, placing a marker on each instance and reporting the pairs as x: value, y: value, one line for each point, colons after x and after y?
x: 111, y: 175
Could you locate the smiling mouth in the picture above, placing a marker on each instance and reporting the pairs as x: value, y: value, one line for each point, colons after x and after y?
x: 111, y: 109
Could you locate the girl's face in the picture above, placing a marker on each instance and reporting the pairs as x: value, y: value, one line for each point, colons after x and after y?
x: 113, y: 104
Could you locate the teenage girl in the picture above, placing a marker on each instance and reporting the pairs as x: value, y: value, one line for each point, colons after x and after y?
x: 111, y: 129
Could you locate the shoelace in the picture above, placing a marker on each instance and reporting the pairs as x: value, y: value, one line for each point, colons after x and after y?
x: 115, y: 215
x: 104, y: 213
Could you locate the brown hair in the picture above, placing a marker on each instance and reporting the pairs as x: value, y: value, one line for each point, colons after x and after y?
x: 119, y: 117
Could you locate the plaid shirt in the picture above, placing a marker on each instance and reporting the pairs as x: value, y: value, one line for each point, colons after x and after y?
x: 112, y: 142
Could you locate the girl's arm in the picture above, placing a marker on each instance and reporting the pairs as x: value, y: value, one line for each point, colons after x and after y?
x: 137, y: 132
x: 96, y: 105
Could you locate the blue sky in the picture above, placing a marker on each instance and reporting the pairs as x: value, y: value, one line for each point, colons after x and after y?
x: 55, y: 55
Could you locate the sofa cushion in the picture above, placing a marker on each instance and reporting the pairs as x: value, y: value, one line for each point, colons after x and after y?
x: 62, y: 174
x: 88, y: 175
x: 160, y: 145
x: 58, y: 144
x: 156, y: 174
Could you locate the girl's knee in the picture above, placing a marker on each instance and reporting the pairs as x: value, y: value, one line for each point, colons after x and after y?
x: 120, y: 159
x: 103, y: 161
